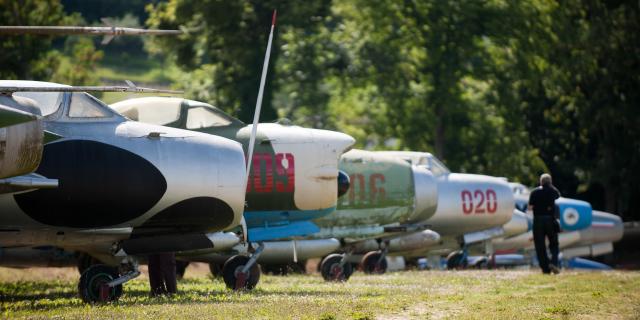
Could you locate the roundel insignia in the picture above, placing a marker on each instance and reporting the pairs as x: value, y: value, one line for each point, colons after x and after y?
x: 570, y: 216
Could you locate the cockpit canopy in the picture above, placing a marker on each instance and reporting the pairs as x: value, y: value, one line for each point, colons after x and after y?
x: 423, y: 159
x: 58, y: 105
x: 174, y: 112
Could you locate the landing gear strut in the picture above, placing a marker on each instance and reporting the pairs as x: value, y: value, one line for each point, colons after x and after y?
x: 242, y: 272
x: 101, y: 283
x: 335, y: 267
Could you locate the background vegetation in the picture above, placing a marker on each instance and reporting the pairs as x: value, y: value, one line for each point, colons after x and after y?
x: 504, y: 88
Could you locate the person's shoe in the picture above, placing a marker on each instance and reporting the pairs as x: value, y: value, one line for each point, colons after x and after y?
x: 554, y: 269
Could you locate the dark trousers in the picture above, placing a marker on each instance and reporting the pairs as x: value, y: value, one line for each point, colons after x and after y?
x: 162, y: 273
x: 545, y: 227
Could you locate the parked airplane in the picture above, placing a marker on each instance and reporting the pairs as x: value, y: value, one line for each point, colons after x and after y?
x: 471, y: 208
x: 294, y: 171
x: 383, y: 211
x: 373, y: 219
x: 125, y: 188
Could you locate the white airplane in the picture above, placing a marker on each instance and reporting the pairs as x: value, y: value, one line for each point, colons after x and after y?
x: 471, y: 209
x: 115, y: 188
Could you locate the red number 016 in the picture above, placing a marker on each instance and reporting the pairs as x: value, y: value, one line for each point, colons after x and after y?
x: 479, y: 202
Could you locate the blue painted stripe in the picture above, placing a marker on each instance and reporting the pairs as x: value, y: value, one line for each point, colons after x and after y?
x: 300, y: 228
x: 265, y: 219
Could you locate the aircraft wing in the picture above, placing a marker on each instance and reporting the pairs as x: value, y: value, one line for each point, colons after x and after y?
x: 10, y: 116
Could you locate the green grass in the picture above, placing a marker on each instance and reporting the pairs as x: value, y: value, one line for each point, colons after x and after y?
x: 412, y: 294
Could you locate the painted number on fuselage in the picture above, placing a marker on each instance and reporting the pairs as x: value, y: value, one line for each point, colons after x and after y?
x: 359, y: 182
x: 271, y: 172
x: 479, y: 201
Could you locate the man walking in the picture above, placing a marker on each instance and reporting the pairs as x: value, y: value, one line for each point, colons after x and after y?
x: 542, y: 202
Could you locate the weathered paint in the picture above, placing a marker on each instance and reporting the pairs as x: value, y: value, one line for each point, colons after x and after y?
x: 381, y: 193
x: 20, y: 148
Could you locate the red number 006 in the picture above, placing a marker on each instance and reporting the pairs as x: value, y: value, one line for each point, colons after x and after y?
x: 479, y: 202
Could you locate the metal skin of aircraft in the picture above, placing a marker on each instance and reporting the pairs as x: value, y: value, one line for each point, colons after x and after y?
x: 364, y: 223
x: 125, y: 188
x: 383, y: 211
x: 293, y: 175
x: 471, y: 208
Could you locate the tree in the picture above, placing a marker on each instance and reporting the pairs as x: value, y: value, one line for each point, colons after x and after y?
x: 224, y: 48
x: 21, y: 56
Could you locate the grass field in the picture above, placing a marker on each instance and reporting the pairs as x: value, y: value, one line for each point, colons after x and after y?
x: 51, y: 293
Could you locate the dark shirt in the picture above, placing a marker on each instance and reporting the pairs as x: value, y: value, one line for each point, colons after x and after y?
x: 543, y: 200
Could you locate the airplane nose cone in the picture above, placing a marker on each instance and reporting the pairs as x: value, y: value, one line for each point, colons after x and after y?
x: 471, y: 202
x: 426, y: 194
x: 337, y: 141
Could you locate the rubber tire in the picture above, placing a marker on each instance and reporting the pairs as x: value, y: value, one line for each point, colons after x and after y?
x: 455, y: 260
x: 92, y: 278
x: 230, y: 267
x: 181, y: 268
x: 327, y: 265
x: 216, y: 269
x: 369, y: 260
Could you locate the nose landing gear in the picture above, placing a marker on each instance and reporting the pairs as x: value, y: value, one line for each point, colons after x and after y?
x: 241, y: 272
x: 93, y: 286
x: 102, y: 283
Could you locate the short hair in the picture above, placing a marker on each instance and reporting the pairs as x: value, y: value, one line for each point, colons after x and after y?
x: 545, y: 179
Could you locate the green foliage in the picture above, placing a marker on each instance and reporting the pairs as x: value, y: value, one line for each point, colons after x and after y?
x: 574, y: 77
x: 28, y: 57
x: 227, y: 39
x: 78, y: 67
x: 504, y: 88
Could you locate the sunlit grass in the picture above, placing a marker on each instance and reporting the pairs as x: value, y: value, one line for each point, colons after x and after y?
x: 413, y: 294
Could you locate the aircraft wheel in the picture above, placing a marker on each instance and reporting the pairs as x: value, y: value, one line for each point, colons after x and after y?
x: 181, y: 268
x: 370, y: 263
x: 233, y: 276
x: 332, y: 271
x: 92, y: 280
x: 456, y: 260
x: 216, y: 269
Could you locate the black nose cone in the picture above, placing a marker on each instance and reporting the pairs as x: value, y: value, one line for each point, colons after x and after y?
x: 343, y: 183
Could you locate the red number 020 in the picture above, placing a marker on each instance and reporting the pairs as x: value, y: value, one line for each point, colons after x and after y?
x: 479, y: 202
